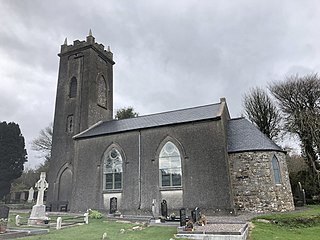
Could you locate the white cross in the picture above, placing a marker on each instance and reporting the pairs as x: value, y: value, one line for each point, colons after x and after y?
x: 41, y: 185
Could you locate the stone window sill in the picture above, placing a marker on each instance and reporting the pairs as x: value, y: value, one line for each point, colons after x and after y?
x: 112, y: 191
x: 170, y: 188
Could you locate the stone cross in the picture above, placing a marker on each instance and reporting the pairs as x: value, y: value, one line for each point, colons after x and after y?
x: 30, y: 195
x: 41, y: 185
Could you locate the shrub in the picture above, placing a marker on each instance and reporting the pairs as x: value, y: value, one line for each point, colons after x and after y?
x: 95, y: 214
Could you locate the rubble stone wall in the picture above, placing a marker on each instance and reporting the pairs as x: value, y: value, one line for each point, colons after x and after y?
x: 253, y: 182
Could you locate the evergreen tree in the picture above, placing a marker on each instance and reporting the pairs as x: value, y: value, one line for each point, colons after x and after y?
x: 126, y: 112
x: 12, y: 155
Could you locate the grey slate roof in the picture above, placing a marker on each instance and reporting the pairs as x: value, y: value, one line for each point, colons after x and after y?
x: 244, y: 136
x: 155, y: 120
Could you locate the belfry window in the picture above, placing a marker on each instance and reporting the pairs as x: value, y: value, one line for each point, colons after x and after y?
x: 170, y: 166
x: 276, y: 170
x: 73, y: 88
x: 112, y: 170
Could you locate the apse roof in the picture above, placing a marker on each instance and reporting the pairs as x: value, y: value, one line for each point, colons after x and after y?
x: 194, y: 114
x: 244, y: 136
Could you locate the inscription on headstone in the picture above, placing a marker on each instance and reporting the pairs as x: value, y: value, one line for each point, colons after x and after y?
x: 164, y: 208
x: 113, y: 205
x: 183, y: 217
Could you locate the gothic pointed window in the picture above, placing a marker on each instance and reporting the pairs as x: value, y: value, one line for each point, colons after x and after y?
x: 102, y: 92
x: 170, y: 166
x: 73, y: 88
x: 276, y: 170
x: 112, y: 170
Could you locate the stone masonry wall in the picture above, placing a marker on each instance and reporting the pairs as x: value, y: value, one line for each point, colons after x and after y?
x: 254, y: 187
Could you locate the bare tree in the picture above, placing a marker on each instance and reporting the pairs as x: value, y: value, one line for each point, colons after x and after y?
x: 262, y: 111
x: 299, y: 100
x: 43, y: 142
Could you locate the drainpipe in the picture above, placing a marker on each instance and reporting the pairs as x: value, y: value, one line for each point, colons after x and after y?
x: 139, y: 169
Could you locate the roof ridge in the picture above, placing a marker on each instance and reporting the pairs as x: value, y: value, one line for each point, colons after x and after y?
x: 165, y: 112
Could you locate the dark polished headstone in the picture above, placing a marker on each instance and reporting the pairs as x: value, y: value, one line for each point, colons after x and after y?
x: 164, y: 208
x: 183, y: 217
x: 196, y: 214
x: 4, y: 211
x: 113, y: 205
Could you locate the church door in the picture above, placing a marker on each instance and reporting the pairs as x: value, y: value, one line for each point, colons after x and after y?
x: 65, y: 185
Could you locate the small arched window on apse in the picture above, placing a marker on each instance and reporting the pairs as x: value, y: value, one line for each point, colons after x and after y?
x: 170, y: 166
x: 73, y: 88
x: 102, y: 92
x: 112, y: 169
x: 276, y: 170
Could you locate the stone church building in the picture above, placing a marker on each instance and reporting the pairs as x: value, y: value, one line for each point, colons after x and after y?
x: 194, y: 157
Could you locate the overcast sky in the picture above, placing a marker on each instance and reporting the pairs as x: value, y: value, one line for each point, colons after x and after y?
x: 169, y: 54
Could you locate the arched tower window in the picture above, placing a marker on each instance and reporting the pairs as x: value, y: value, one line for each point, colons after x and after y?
x: 170, y: 166
x: 73, y: 88
x: 112, y: 169
x: 102, y: 92
x: 276, y: 170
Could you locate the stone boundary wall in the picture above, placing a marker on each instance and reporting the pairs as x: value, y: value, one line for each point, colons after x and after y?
x: 253, y: 183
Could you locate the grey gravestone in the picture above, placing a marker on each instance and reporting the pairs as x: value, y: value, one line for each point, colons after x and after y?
x: 4, y: 211
x: 183, y: 217
x: 164, y: 208
x: 300, y: 196
x: 196, y: 214
x: 113, y: 205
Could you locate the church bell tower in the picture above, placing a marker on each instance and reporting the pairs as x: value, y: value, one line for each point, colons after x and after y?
x: 84, y: 97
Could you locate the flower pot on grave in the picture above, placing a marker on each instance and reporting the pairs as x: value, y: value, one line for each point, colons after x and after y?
x: 3, y: 228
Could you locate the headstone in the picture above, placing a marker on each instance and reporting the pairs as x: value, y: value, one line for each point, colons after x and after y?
x: 196, y: 214
x: 18, y: 220
x: 183, y: 217
x: 155, y: 209
x: 300, y: 196
x: 59, y: 223
x: 113, y: 205
x: 12, y: 196
x: 164, y: 208
x: 38, y: 213
x: 4, y: 211
x: 30, y: 195
x: 22, y: 196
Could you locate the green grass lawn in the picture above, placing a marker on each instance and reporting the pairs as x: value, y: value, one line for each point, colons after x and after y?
x: 282, y: 226
x: 293, y: 226
x: 97, y: 227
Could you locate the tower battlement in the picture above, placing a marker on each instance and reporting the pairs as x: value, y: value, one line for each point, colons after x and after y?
x: 88, y: 43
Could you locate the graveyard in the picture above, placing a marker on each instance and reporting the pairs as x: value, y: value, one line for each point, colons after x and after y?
x: 292, y: 225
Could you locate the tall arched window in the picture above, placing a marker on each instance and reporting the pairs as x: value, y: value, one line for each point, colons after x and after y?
x: 112, y: 169
x: 102, y: 92
x: 170, y: 166
x: 73, y: 88
x: 276, y: 170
